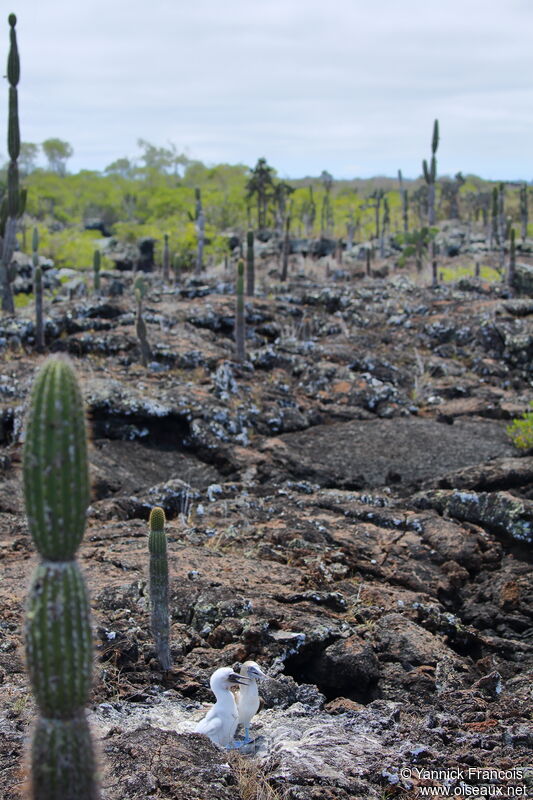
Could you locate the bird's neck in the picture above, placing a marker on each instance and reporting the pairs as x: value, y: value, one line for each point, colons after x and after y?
x: 225, y: 699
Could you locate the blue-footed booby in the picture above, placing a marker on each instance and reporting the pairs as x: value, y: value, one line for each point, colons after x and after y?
x: 220, y: 722
x: 247, y: 697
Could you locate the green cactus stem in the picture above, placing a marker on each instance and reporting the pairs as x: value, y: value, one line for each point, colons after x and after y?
x: 250, y: 266
x: 166, y: 259
x: 38, y: 292
x: 58, y: 629
x: 200, y: 233
x: 405, y: 203
x: 15, y: 199
x: 430, y: 173
x: 159, y: 618
x: 240, y: 351
x: 176, y: 267
x: 512, y: 259
x: 140, y: 327
x: 56, y: 498
x: 97, y: 261
x: 524, y: 211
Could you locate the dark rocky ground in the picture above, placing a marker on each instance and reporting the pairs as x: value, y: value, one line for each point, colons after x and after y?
x: 345, y: 508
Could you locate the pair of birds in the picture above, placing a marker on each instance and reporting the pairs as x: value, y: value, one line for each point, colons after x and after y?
x: 230, y: 710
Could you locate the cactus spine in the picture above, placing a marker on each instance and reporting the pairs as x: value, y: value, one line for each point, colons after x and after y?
x: 166, y: 259
x: 97, y: 260
x: 38, y: 291
x: 200, y: 233
x: 58, y: 631
x: 430, y: 173
x: 250, y: 266
x: 239, y: 313
x: 157, y: 545
x: 15, y: 199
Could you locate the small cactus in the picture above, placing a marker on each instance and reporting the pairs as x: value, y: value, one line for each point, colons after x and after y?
x: 157, y: 545
x: 250, y: 266
x: 97, y: 260
x: 38, y: 292
x: 239, y: 313
x: 176, y: 267
x: 140, y: 327
x: 430, y: 173
x: 523, y: 210
x: 166, y: 259
x: 58, y: 630
x: 200, y: 233
x: 512, y: 259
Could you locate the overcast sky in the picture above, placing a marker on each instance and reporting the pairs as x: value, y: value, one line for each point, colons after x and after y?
x: 351, y: 86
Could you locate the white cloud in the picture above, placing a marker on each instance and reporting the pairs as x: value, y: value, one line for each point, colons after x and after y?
x: 341, y: 85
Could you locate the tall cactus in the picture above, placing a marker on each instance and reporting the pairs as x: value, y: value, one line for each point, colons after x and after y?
x: 140, y: 327
x: 250, y: 265
x: 494, y: 231
x: 200, y: 233
x: 58, y: 630
x: 512, y: 259
x: 97, y: 261
x: 430, y: 173
x: 405, y: 203
x: 240, y: 351
x: 38, y: 292
x: 166, y: 259
x: 16, y: 199
x: 157, y: 545
x: 523, y: 211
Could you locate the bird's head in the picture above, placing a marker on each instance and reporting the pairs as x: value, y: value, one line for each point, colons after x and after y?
x: 250, y: 669
x: 225, y: 678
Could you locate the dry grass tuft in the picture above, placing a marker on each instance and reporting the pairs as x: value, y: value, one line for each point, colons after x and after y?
x: 251, y: 779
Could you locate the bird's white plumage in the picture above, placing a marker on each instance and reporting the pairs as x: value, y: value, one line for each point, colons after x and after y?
x: 247, y: 697
x: 220, y: 722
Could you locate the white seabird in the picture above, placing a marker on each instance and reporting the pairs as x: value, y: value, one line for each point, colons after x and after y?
x: 247, y: 697
x: 220, y: 722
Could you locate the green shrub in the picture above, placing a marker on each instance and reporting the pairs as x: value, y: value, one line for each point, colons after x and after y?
x: 521, y: 431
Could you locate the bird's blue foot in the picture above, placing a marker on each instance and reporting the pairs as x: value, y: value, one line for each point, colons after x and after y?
x: 234, y: 745
x: 247, y: 738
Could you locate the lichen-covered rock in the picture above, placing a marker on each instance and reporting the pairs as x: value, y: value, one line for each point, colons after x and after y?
x: 499, y: 512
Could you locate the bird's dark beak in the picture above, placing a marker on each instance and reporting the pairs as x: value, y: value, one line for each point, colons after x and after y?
x: 234, y: 677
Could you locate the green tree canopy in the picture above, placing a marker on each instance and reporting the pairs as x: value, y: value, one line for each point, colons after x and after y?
x: 57, y: 153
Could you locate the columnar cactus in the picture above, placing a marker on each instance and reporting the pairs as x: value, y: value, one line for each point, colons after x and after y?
x: 176, y: 267
x: 157, y: 545
x: 58, y: 630
x: 140, y: 327
x: 15, y: 198
x: 200, y: 233
x: 494, y: 218
x: 239, y: 313
x: 501, y: 224
x: 166, y: 259
x: 38, y: 292
x: 405, y: 203
x: 430, y: 173
x: 523, y: 210
x: 512, y: 259
x: 97, y: 261
x: 250, y: 266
